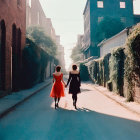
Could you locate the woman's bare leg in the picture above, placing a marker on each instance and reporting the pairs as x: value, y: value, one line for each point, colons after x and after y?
x: 58, y: 101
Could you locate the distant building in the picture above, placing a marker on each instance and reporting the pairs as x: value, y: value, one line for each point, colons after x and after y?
x: 49, y: 29
x: 79, y: 44
x: 60, y: 53
x: 35, y: 16
x: 34, y: 13
x: 116, y: 41
x: 12, y: 42
x: 79, y: 41
x: 95, y: 12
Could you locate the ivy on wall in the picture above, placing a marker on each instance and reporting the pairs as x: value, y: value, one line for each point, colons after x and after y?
x: 120, y: 69
x: 132, y: 63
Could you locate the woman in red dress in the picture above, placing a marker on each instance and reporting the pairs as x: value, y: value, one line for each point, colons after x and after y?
x: 58, y: 86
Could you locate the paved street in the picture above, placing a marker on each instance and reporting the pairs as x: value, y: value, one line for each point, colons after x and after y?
x: 97, y: 118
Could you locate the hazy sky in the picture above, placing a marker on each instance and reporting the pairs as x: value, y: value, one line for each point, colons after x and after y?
x: 67, y: 19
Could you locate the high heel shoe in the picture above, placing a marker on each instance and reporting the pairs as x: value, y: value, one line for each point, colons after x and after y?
x: 55, y: 106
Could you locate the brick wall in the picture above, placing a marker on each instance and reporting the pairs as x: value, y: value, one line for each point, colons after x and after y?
x: 12, y: 12
x: 35, y: 14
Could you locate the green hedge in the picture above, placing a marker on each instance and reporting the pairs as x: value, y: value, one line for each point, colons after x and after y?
x: 35, y: 61
x: 99, y: 70
x: 92, y: 69
x: 109, y: 69
x: 120, y: 67
x: 106, y: 68
x: 83, y: 72
x: 117, y: 70
x: 132, y: 63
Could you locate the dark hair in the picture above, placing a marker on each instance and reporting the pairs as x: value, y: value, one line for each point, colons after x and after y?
x: 58, y: 68
x: 74, y: 67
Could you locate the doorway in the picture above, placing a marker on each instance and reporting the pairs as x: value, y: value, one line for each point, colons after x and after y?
x: 14, y: 57
x: 2, y: 54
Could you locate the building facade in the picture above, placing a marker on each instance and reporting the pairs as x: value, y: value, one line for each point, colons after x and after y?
x: 60, y: 53
x: 136, y: 19
x: 95, y: 11
x: 12, y: 42
x: 35, y: 16
x: 79, y: 41
x: 116, y: 41
x: 79, y: 44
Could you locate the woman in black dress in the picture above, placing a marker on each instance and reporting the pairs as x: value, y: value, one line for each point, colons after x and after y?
x: 75, y: 83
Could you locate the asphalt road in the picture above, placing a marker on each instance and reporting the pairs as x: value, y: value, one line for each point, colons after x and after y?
x: 97, y: 118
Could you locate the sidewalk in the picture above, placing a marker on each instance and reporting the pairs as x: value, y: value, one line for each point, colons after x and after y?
x: 131, y: 106
x: 9, y: 102
x: 134, y: 107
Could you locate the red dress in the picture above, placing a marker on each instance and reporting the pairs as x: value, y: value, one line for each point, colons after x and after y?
x: 58, y: 87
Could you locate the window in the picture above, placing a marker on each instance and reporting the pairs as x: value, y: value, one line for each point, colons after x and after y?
x: 18, y: 2
x: 100, y: 4
x: 122, y: 4
x: 29, y: 2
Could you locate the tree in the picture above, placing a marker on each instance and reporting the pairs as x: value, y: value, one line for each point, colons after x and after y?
x: 107, y: 28
x: 76, y: 54
x: 42, y: 40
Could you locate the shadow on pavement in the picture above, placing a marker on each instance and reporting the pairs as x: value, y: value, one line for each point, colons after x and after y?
x: 37, y: 120
x: 85, y: 124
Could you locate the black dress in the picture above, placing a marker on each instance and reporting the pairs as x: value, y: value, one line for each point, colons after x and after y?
x: 75, y: 83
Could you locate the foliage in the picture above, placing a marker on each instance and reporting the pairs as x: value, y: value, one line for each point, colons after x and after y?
x: 99, y: 70
x: 109, y: 70
x: 108, y: 27
x: 106, y: 77
x: 117, y: 70
x: 34, y: 64
x: 132, y: 63
x: 84, y: 72
x: 121, y: 68
x: 76, y: 54
x: 42, y: 40
x: 92, y: 70
x: 95, y: 68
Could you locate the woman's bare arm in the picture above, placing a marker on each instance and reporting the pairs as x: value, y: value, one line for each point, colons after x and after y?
x: 69, y: 78
x: 63, y: 81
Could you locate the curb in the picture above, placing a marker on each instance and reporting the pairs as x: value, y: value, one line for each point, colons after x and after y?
x: 4, y: 113
x: 120, y: 103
